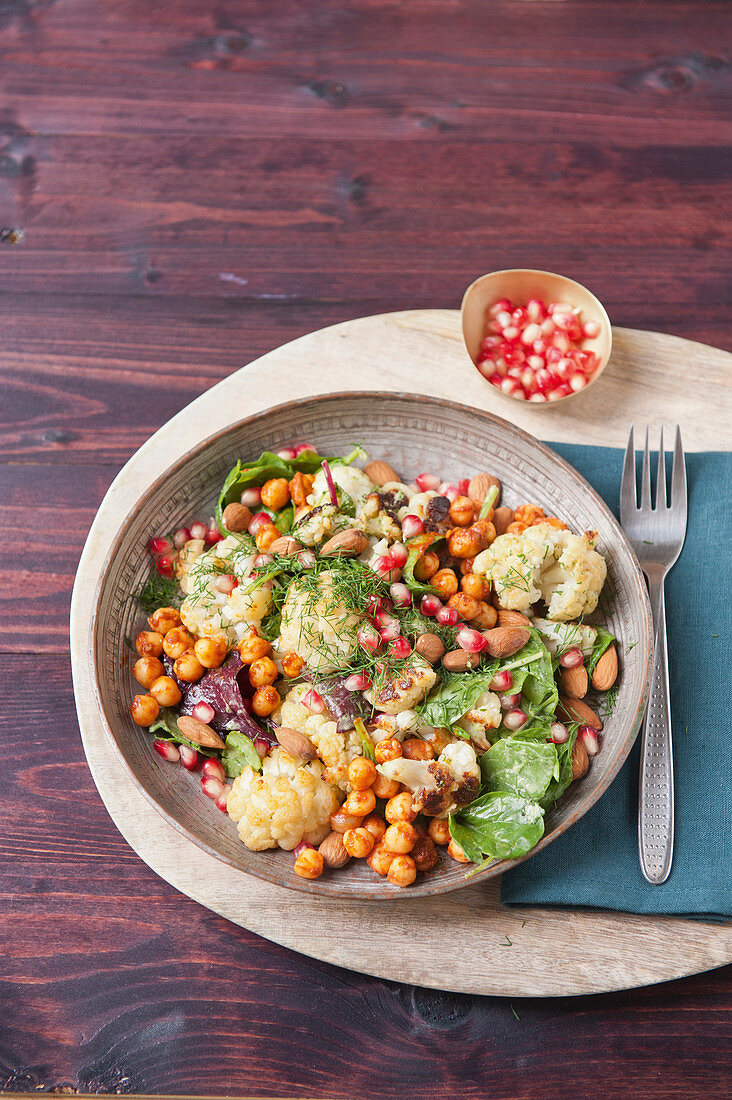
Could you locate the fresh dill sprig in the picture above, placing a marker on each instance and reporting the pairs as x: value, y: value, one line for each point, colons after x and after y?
x: 158, y: 591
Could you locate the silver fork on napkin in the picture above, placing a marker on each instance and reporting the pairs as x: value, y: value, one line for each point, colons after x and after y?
x: 657, y: 534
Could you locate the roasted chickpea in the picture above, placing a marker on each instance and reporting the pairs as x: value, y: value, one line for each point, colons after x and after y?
x: 149, y: 643
x: 265, y: 700
x: 292, y: 664
x: 263, y: 671
x: 445, y: 583
x: 424, y: 854
x: 414, y: 748
x: 177, y: 641
x: 360, y: 803
x: 361, y: 773
x: 486, y: 618
x: 358, y: 842
x: 528, y: 514
x: 253, y: 647
x: 476, y: 586
x: 275, y: 493
x: 164, y: 619
x: 554, y: 521
x: 166, y: 691
x: 462, y: 511
x: 380, y: 859
x: 301, y: 486
x: 383, y: 787
x: 375, y: 825
x: 211, y: 651
x: 487, y: 531
x: 402, y: 871
x: 341, y: 820
x: 265, y: 536
x: 455, y: 851
x: 309, y: 864
x: 439, y: 830
x: 147, y: 670
x: 144, y: 710
x: 399, y: 808
x: 400, y: 837
x: 388, y: 749
x: 188, y: 667
x: 464, y: 542
x: 516, y: 528
x: 426, y: 566
x: 466, y: 566
x: 466, y: 606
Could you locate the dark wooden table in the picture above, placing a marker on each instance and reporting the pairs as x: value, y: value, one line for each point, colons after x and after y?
x: 197, y: 184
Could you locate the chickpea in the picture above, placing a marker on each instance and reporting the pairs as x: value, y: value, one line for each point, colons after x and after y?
x: 455, y: 851
x: 263, y: 671
x: 360, y: 803
x: 445, y: 583
x: 380, y: 859
x: 177, y: 641
x: 265, y: 536
x: 399, y: 808
x: 253, y: 647
x: 414, y: 748
x: 164, y: 619
x: 388, y: 749
x: 265, y: 700
x: 427, y: 566
x: 375, y: 825
x: 516, y: 528
x: 144, y: 710
x: 466, y: 566
x: 309, y: 864
x: 464, y: 542
x: 166, y: 691
x: 424, y: 854
x: 292, y: 664
x: 361, y: 773
x: 486, y: 529
x: 149, y: 643
x: 462, y: 511
x: 383, y: 787
x: 301, y: 487
x: 439, y: 830
x: 147, y: 670
x: 402, y: 871
x: 476, y: 586
x: 358, y: 842
x: 529, y: 514
x: 188, y: 667
x: 400, y: 837
x: 486, y: 618
x: 340, y: 821
x: 211, y: 651
x: 554, y: 521
x: 466, y: 606
x: 275, y: 493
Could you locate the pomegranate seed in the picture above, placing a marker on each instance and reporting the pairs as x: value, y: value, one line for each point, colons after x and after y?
x: 511, y: 333
x: 589, y: 739
x: 563, y: 368
x: 181, y: 537
x: 225, y: 584
x: 490, y: 343
x: 511, y: 701
x: 304, y: 448
x: 577, y: 382
x: 514, y: 719
x: 204, y: 712
x: 591, y: 329
x: 425, y: 482
x: 562, y: 342
x: 558, y: 733
x: 449, y: 491
x: 559, y: 307
x: 430, y: 605
x: 558, y: 393
x: 520, y: 394
x: 502, y: 305
x: 471, y: 640
x: 548, y: 328
x: 496, y: 380
x: 211, y: 786
x: 215, y: 769
x: 262, y: 747
x: 544, y: 379
x: 463, y: 486
x: 212, y: 532
x: 400, y: 648
x: 165, y: 567
x: 398, y: 554
x: 411, y: 526
x: 306, y: 558
x: 303, y: 846
x: 503, y: 317
x: 369, y: 638
x: 188, y: 757
x: 553, y: 356
x: 251, y: 497
x: 357, y: 682
x: 261, y: 519
x: 383, y: 565
x: 519, y: 316
x: 536, y: 362
x: 572, y: 657
x: 509, y: 385
x: 382, y: 617
x: 502, y: 681
x: 262, y: 559
x: 222, y: 799
x: 592, y: 362
x: 167, y: 750
x: 536, y: 397
x: 540, y: 347
x: 288, y: 453
x: 198, y: 530
x: 535, y: 309
x: 563, y: 321
x: 391, y: 631
x: 375, y: 604
x: 400, y: 594
x: 160, y: 545
x: 531, y: 332
x: 447, y: 616
x: 313, y: 701
x: 501, y: 368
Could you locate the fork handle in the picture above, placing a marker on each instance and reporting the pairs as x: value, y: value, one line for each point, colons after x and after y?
x: 656, y: 781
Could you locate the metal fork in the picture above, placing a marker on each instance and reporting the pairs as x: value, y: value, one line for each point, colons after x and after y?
x: 657, y: 534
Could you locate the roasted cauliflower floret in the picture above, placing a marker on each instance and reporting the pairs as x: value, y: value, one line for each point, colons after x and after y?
x: 206, y: 611
x: 320, y: 523
x: 484, y: 715
x: 287, y: 803
x: 354, y: 484
x: 545, y: 563
x: 317, y: 626
x: 404, y: 687
x: 335, y: 749
x: 372, y: 519
x: 559, y: 636
x: 438, y: 786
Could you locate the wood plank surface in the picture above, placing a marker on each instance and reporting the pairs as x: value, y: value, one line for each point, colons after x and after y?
x: 198, y: 184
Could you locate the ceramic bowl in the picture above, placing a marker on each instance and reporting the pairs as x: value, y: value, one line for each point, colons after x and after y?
x: 520, y: 285
x: 414, y: 434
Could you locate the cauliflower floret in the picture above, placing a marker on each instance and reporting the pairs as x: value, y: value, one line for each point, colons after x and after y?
x: 206, y: 611
x: 317, y: 626
x: 545, y: 563
x: 418, y: 503
x: 438, y: 786
x: 354, y: 482
x: 404, y: 688
x: 373, y: 520
x: 484, y: 715
x: 287, y: 803
x: 564, y: 635
x: 321, y: 523
x: 335, y: 749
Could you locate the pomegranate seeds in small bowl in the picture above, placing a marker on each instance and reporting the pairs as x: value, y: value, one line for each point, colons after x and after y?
x: 535, y: 336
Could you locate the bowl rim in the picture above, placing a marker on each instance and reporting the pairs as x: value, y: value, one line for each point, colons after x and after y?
x: 332, y: 889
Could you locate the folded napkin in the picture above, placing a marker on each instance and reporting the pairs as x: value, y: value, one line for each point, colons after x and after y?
x: 595, y: 863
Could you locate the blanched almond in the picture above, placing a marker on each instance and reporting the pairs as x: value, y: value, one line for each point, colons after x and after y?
x: 430, y: 647
x: 237, y: 517
x: 296, y: 743
x: 606, y: 670
x: 504, y: 641
x: 573, y: 682
x: 381, y: 473
x: 199, y: 732
x: 348, y: 543
x: 512, y: 618
x: 333, y: 851
x: 481, y: 485
x: 576, y: 711
x: 580, y: 760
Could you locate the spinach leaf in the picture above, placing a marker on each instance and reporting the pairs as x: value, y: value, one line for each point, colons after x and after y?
x: 539, y: 686
x: 520, y: 767
x: 456, y: 694
x: 558, y: 786
x: 239, y: 753
x: 603, y: 641
x: 416, y: 549
x: 498, y: 824
x: 167, y: 723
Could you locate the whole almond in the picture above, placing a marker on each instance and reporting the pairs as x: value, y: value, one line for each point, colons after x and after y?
x: 199, y: 732
x: 573, y: 682
x: 347, y: 543
x: 504, y: 641
x: 333, y: 851
x: 606, y: 670
x: 575, y: 710
x: 512, y: 618
x: 237, y: 517
x: 296, y: 743
x: 285, y: 546
x: 431, y: 647
x: 501, y: 519
x: 481, y: 485
x: 381, y: 473
x: 459, y: 660
x: 580, y: 760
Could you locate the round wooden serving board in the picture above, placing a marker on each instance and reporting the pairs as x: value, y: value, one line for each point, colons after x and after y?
x: 417, y: 352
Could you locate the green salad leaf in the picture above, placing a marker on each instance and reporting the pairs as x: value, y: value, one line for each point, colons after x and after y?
x: 499, y: 824
x: 167, y: 723
x: 416, y: 550
x: 521, y: 767
x: 603, y: 641
x: 238, y: 753
x: 456, y: 694
x: 559, y: 784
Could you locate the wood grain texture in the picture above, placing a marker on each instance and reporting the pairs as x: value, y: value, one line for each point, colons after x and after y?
x: 197, y: 185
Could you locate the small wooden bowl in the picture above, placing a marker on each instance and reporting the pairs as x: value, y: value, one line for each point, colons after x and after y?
x: 520, y: 285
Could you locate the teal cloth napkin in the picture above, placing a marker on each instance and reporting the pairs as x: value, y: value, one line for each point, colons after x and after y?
x: 595, y: 863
